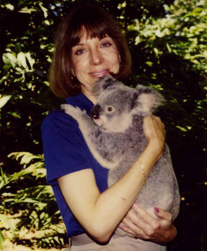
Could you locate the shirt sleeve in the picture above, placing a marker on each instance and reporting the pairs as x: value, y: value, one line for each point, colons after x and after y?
x: 63, y: 145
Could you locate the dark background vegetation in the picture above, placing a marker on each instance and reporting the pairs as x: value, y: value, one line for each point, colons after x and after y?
x: 168, y: 41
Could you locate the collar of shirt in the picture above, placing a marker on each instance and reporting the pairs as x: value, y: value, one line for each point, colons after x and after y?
x: 80, y: 101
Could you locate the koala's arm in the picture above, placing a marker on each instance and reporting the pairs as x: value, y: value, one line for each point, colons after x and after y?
x: 88, y: 128
x: 96, y: 139
x: 86, y: 125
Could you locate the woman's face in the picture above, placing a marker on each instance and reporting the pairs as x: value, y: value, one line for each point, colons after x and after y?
x: 94, y: 58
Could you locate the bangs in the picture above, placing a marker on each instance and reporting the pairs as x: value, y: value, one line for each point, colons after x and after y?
x: 93, y: 22
x: 91, y: 31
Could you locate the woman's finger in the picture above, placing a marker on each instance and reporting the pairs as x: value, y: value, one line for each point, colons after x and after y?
x: 165, y: 217
x: 146, y: 218
x: 154, y: 128
x: 134, y: 229
x: 128, y: 230
x: 134, y: 222
x: 161, y: 229
x: 139, y: 226
x: 162, y: 214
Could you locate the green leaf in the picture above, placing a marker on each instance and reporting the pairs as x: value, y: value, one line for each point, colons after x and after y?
x: 4, y: 100
x: 26, y: 157
x: 22, y: 59
x: 156, y: 51
x: 9, y: 6
x: 30, y: 60
x: 1, y: 240
x: 149, y: 63
x: 168, y: 48
x: 44, y: 10
x: 9, y: 58
x: 182, y: 128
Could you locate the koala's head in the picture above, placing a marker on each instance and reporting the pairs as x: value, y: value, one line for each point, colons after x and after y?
x: 117, y: 103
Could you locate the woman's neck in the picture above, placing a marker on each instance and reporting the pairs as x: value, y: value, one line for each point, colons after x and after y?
x: 89, y: 95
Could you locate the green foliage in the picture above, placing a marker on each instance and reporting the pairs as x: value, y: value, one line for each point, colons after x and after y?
x: 171, y: 56
x: 182, y: 33
x: 25, y: 50
x: 28, y: 209
x: 1, y: 240
x: 30, y: 214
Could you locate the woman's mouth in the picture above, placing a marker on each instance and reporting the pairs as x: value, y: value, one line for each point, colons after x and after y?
x: 99, y: 74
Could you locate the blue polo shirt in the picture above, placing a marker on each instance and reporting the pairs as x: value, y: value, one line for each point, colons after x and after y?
x: 65, y: 151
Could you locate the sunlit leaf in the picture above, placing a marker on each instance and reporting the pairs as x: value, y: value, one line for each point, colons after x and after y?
x: 181, y: 128
x: 168, y: 47
x: 22, y: 59
x: 47, y: 22
x: 44, y: 10
x: 1, y: 240
x: 27, y: 10
x: 15, y: 114
x: 4, y: 100
x: 30, y: 60
x: 149, y: 63
x: 9, y: 58
x: 9, y: 6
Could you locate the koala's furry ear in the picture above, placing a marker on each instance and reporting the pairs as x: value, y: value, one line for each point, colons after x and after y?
x: 148, y: 99
x: 103, y: 84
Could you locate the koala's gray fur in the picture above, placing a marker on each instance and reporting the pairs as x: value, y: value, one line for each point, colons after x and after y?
x: 116, y: 140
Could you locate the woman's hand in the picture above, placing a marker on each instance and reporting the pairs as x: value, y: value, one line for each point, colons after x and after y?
x: 140, y: 224
x: 154, y: 131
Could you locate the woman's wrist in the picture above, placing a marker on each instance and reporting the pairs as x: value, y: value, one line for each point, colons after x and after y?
x: 155, y: 147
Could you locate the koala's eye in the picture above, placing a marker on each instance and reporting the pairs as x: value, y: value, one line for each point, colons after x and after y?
x: 110, y: 109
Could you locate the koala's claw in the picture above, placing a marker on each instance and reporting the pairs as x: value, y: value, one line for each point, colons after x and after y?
x: 64, y: 106
x: 74, y: 112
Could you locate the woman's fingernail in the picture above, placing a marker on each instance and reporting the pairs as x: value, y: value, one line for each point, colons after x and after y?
x: 156, y: 210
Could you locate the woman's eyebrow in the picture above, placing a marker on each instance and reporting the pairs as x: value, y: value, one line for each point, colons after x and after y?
x: 81, y: 44
x: 78, y: 44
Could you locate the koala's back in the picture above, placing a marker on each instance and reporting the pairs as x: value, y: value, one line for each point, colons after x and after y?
x: 121, y: 149
x: 161, y: 188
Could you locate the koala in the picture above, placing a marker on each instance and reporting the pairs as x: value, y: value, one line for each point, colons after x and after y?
x: 115, y: 137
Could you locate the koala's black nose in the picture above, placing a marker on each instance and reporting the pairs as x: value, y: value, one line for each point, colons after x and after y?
x: 95, y: 112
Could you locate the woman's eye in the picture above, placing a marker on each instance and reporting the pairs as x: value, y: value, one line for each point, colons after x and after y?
x: 106, y: 44
x: 79, y: 52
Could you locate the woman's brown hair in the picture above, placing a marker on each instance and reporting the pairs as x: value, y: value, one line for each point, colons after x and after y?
x: 97, y: 23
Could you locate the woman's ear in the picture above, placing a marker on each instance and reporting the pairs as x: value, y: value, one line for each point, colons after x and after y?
x: 119, y: 58
x: 72, y: 71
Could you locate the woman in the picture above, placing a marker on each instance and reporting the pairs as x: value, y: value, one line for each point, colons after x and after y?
x: 89, y: 45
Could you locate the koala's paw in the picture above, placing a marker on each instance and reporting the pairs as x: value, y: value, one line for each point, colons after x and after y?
x: 74, y: 112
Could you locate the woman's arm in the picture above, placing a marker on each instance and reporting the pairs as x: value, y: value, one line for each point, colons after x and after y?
x: 99, y: 213
x: 140, y: 224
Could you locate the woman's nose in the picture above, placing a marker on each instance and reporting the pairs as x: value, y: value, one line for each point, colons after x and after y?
x: 96, y: 57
